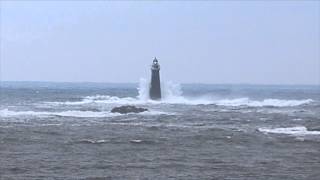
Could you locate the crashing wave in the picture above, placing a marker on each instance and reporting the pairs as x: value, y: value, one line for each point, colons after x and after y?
x: 9, y: 113
x: 265, y: 102
x: 80, y: 114
x: 172, y: 94
x: 105, y: 99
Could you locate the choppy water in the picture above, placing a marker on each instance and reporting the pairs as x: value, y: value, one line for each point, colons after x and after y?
x: 66, y: 131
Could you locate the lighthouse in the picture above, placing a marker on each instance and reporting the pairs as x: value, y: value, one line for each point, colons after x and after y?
x: 155, y: 89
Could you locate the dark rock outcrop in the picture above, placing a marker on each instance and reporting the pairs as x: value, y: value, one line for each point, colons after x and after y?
x: 128, y: 109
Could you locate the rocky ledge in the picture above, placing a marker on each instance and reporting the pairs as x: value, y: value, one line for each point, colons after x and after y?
x: 128, y: 109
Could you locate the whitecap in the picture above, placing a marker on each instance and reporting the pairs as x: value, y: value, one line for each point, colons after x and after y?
x: 152, y: 113
x: 105, y: 99
x: 297, y: 131
x: 91, y: 141
x: 136, y: 141
x: 265, y: 102
x: 98, y: 99
x: 80, y: 114
x: 172, y: 94
x: 9, y: 113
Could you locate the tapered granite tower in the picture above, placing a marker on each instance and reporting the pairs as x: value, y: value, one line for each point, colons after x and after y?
x: 155, y: 89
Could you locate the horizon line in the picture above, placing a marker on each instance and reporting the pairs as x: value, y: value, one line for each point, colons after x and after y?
x: 186, y: 83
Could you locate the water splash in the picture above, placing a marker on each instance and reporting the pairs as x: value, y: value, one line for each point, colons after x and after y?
x: 169, y: 90
x: 172, y: 94
x: 143, y: 90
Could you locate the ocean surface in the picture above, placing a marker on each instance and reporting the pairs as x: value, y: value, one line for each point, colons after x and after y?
x: 198, y: 131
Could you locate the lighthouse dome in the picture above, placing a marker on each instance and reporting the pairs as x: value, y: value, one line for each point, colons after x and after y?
x: 155, y: 64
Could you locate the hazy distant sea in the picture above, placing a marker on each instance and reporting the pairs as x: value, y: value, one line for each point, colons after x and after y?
x: 249, y: 132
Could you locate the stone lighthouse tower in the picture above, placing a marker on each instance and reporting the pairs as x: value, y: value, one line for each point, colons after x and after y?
x: 155, y: 89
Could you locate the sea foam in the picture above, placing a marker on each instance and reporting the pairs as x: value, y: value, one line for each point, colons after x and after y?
x: 80, y: 114
x: 265, y: 102
x: 297, y: 131
x: 9, y: 113
x: 172, y: 94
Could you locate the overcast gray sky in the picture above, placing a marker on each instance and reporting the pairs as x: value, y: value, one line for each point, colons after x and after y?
x: 255, y: 42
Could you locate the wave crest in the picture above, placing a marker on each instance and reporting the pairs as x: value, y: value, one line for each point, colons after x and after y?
x: 172, y: 94
x: 9, y: 113
x: 298, y: 131
x: 80, y: 114
x: 105, y: 99
x: 265, y: 102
